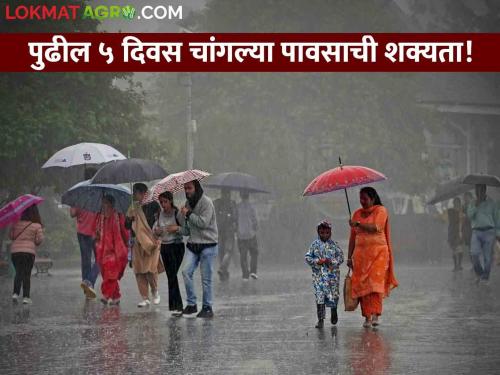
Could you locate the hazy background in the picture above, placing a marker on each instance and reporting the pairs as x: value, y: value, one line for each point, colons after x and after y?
x: 420, y: 129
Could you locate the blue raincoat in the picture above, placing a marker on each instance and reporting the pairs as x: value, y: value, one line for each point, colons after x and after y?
x: 326, y: 277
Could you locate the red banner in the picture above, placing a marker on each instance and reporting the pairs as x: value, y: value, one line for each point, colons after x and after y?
x: 201, y: 52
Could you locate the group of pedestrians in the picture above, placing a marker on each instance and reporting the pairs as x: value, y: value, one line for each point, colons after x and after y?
x: 150, y: 238
x: 154, y: 234
x: 237, y: 225
x: 474, y: 227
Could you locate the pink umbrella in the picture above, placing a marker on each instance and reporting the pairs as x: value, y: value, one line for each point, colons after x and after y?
x: 174, y: 183
x: 12, y: 211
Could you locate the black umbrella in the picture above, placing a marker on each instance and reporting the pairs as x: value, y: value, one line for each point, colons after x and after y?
x: 129, y: 170
x: 482, y: 179
x: 235, y: 181
x: 449, y: 190
x: 88, y: 196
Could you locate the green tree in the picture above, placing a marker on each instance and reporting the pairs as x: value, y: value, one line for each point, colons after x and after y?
x: 43, y: 112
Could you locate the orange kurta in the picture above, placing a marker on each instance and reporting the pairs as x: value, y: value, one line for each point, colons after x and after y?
x: 373, y: 264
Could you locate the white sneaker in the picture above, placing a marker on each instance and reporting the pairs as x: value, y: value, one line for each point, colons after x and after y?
x: 156, y: 299
x: 15, y: 297
x: 27, y: 301
x: 254, y: 276
x: 144, y: 303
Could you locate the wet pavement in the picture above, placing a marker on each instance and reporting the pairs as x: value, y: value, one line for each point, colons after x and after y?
x: 436, y: 322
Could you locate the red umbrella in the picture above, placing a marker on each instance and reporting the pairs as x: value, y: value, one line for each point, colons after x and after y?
x: 342, y: 178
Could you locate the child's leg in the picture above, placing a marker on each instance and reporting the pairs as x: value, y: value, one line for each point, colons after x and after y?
x: 321, y: 311
x: 334, y: 318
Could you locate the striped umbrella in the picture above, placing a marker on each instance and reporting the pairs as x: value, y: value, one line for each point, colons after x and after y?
x: 12, y: 211
x: 174, y: 183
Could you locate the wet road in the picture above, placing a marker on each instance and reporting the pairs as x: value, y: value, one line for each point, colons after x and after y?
x: 436, y: 322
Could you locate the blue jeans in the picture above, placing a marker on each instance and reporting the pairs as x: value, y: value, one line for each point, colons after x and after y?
x: 89, y: 271
x: 482, y: 245
x: 206, y: 261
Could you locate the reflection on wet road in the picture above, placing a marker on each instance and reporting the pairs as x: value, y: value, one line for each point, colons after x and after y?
x: 437, y: 322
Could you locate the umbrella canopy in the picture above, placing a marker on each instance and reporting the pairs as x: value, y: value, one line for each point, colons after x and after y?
x: 128, y: 170
x: 449, y: 190
x: 88, y: 196
x: 341, y: 178
x: 13, y: 211
x: 83, y: 154
x: 481, y: 179
x: 236, y: 181
x: 174, y: 183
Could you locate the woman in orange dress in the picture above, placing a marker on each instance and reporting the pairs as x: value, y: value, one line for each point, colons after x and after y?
x: 370, y: 256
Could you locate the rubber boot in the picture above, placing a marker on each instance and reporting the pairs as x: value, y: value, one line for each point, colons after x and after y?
x: 334, y: 318
x: 321, y: 315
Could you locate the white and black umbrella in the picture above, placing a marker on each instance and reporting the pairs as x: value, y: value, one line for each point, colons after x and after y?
x: 83, y: 154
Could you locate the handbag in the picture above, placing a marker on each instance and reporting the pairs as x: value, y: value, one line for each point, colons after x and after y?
x: 161, y: 266
x: 350, y: 303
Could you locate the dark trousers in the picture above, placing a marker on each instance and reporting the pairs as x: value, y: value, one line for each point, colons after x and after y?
x: 226, y: 249
x: 172, y: 255
x: 248, y: 247
x: 23, y: 264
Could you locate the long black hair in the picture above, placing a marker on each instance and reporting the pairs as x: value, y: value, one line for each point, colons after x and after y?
x: 198, y: 192
x: 372, y: 193
x: 170, y: 197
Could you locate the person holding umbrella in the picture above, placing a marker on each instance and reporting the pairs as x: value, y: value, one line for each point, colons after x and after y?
x: 86, y: 228
x: 370, y: 256
x: 485, y: 221
x: 111, y: 250
x: 201, y: 227
x: 172, y: 248
x: 26, y: 236
x: 227, y: 216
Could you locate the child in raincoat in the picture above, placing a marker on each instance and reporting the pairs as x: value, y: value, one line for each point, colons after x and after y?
x: 325, y: 257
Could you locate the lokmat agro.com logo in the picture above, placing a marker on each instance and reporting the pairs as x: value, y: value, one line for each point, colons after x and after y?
x: 100, y: 12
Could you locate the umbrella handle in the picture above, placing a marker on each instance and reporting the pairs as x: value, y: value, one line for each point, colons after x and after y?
x: 345, y: 190
x: 348, y: 204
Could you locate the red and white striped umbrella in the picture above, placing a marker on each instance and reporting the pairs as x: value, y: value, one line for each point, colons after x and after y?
x: 174, y: 183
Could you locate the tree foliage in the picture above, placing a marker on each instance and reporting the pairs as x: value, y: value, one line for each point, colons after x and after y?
x: 44, y: 112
